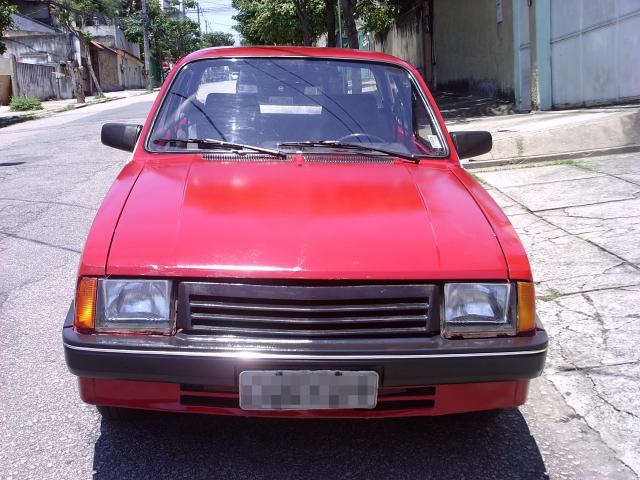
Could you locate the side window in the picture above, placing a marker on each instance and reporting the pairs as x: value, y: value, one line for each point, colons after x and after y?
x: 421, y: 121
x: 423, y: 128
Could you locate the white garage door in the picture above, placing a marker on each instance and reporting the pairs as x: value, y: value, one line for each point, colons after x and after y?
x: 595, y: 51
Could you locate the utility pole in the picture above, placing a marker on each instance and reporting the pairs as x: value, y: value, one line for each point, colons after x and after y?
x: 339, y: 24
x: 199, y: 26
x: 145, y: 32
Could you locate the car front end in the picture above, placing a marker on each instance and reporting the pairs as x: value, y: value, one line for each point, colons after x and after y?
x: 301, y: 241
x: 429, y: 353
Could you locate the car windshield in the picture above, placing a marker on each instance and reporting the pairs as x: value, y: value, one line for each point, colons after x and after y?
x: 268, y: 102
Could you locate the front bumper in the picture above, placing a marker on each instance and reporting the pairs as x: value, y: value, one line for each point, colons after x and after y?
x: 392, y: 402
x: 193, y: 361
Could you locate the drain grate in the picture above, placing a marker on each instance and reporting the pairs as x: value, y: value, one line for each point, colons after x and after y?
x: 10, y: 164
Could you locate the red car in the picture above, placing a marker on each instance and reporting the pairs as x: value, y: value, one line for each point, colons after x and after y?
x: 299, y: 239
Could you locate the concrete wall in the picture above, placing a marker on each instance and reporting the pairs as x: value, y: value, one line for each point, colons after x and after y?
x: 407, y: 39
x: 42, y: 81
x: 131, y: 73
x: 474, y: 53
x: 21, y: 23
x: 40, y: 49
x: 5, y: 66
x: 5, y: 81
x: 5, y: 89
x: 107, y: 71
x: 112, y: 36
x: 35, y: 80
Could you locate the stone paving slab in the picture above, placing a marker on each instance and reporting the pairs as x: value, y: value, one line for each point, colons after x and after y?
x: 585, y: 191
x: 582, y: 234
x: 509, y: 207
x: 608, y: 399
x: 565, y: 264
x: 570, y: 447
x: 526, y: 176
x: 631, y: 177
x: 592, y: 329
x: 626, y: 163
x: 615, y: 227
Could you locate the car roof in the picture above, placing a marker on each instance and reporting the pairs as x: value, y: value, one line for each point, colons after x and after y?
x: 312, y: 52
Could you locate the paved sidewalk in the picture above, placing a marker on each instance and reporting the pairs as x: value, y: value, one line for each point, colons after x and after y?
x: 51, y: 107
x: 580, y: 224
x: 541, y: 136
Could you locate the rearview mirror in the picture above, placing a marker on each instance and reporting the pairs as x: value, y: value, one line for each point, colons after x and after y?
x: 122, y: 136
x: 472, y: 143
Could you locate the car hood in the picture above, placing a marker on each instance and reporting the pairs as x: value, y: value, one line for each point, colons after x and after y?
x: 303, y: 220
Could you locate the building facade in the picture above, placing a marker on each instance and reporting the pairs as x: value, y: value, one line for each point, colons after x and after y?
x: 538, y: 53
x: 40, y: 57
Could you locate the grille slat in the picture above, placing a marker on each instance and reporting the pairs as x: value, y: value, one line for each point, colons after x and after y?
x: 268, y: 332
x: 309, y: 308
x: 207, y: 318
x: 299, y: 311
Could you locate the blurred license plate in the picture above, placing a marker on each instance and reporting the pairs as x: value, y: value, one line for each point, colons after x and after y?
x: 307, y: 389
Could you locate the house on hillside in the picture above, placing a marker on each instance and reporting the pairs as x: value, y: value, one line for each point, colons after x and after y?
x: 116, y: 69
x: 40, y: 56
x: 116, y: 61
x: 37, y: 60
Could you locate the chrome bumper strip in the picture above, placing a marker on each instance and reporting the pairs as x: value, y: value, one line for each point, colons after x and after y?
x: 252, y: 355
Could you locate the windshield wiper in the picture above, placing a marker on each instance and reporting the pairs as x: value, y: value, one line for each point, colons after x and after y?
x: 211, y: 143
x: 351, y: 146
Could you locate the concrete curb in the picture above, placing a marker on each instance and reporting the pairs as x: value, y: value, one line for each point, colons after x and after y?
x: 471, y: 165
x: 550, y: 136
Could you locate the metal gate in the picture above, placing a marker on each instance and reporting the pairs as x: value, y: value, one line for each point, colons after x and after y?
x: 595, y: 51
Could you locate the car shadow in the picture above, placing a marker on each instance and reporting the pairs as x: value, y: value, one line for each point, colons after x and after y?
x: 158, y: 446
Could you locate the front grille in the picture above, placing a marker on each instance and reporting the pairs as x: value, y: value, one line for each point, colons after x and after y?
x: 285, y: 311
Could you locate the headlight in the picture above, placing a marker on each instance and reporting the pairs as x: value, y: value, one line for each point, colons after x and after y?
x: 133, y: 306
x: 478, y: 310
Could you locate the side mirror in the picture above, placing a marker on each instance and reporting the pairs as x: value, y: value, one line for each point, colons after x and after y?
x: 122, y: 136
x: 472, y: 143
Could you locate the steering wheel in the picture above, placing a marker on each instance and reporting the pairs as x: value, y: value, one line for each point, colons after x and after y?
x: 358, y: 136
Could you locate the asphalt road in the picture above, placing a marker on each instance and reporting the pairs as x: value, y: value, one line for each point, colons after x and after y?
x: 53, y: 175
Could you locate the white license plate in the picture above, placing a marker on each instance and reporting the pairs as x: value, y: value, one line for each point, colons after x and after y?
x: 307, y: 389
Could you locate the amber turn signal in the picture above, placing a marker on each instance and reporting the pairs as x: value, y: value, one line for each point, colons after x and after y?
x: 85, y: 304
x: 526, y: 307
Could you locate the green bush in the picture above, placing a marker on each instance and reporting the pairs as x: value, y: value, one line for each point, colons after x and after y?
x: 20, y: 104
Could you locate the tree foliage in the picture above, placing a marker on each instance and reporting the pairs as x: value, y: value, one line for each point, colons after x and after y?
x: 5, y: 20
x: 296, y: 22
x: 216, y: 39
x: 376, y: 16
x: 277, y: 22
x: 170, y: 37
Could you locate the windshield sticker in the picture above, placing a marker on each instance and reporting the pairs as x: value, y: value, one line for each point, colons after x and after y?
x: 434, y: 141
x: 291, y: 109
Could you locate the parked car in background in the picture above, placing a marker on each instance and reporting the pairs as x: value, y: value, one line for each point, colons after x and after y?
x: 300, y: 241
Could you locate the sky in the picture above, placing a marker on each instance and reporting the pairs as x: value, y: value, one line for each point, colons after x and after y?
x: 215, y: 15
